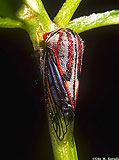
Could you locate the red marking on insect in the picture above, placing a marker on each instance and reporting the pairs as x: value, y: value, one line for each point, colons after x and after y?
x: 56, y: 53
x: 57, y: 60
x: 68, y: 91
x: 45, y: 36
x: 70, y: 51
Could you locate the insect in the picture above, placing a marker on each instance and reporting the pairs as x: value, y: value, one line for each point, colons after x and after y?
x: 61, y: 68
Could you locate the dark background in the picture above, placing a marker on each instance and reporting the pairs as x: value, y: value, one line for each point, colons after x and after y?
x: 24, y: 125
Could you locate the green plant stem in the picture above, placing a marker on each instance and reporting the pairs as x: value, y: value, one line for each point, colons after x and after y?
x: 10, y: 23
x: 94, y: 20
x: 66, y: 12
x: 36, y: 24
x: 38, y: 7
x: 65, y: 149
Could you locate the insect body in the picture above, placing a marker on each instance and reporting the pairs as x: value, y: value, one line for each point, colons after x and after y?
x: 61, y: 73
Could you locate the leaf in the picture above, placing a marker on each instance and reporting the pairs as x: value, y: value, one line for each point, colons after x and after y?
x: 66, y: 12
x: 10, y: 23
x: 94, y: 20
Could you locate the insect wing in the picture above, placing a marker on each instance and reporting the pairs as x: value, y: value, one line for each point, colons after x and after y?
x: 55, y: 95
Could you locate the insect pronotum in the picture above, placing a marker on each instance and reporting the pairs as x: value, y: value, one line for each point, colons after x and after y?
x: 61, y: 68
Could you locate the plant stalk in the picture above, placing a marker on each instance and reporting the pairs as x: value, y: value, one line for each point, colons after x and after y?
x: 66, y: 12
x: 86, y: 23
x: 65, y: 149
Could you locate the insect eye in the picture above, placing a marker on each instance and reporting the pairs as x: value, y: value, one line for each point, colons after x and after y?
x: 45, y: 36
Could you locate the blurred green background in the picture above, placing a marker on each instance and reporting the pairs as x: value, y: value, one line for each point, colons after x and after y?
x: 24, y: 120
